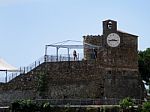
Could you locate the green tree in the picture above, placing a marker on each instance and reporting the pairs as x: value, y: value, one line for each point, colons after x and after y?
x: 24, y: 106
x: 126, y: 104
x: 146, y: 107
x: 144, y: 64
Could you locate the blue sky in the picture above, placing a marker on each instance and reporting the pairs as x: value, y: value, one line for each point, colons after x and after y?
x: 26, y: 26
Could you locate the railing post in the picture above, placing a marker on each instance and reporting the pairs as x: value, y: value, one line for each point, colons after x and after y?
x: 45, y: 58
x: 60, y: 58
x: 20, y: 70
x: 57, y: 53
x: 27, y: 69
x: 24, y: 70
x: 68, y: 57
x: 68, y: 54
x: 35, y: 63
x: 78, y: 57
x: 12, y: 75
x: 93, y: 101
x: 51, y: 58
x: 80, y: 101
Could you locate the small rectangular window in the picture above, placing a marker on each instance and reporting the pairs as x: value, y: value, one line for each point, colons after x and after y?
x: 109, y: 72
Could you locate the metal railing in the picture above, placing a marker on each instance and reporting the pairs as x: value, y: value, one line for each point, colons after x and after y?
x: 77, y: 102
x: 27, y: 69
x: 47, y: 58
x: 51, y: 58
x: 109, y: 101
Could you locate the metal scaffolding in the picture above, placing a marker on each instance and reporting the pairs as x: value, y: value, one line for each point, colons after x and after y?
x: 61, y: 45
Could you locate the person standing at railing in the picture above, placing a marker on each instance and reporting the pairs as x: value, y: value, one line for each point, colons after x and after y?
x: 95, y: 53
x: 75, y: 55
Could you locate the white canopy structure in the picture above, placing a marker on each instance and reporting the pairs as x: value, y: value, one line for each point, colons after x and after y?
x: 4, y: 66
x: 63, y: 44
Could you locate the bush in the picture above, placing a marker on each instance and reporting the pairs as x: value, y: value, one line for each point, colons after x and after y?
x: 110, y: 109
x: 47, y: 107
x: 146, y: 107
x: 15, y: 105
x: 126, y: 103
x: 24, y: 106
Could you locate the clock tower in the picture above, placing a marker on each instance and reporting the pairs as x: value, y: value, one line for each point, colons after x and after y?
x: 112, y: 39
x: 109, y: 26
x: 117, y: 54
x: 120, y: 48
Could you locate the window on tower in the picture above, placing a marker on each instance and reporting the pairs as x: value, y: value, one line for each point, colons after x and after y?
x: 109, y: 25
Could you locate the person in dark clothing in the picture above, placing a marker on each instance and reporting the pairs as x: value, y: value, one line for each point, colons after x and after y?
x: 95, y: 53
x: 75, y: 55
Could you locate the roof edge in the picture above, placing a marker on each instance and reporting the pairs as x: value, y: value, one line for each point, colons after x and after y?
x: 127, y: 33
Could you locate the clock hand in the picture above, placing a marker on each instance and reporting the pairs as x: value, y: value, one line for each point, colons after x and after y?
x: 113, y: 40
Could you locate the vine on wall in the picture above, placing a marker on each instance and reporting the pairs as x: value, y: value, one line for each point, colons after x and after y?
x: 42, y: 84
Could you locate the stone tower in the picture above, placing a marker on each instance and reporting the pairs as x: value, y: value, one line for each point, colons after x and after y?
x: 117, y: 53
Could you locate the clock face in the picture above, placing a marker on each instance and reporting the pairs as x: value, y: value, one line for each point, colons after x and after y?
x: 113, y: 40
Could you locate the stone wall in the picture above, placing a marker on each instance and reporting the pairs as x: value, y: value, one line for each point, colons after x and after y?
x: 123, y: 83
x: 6, y: 97
x: 125, y: 55
x: 65, y: 80
x: 75, y: 80
x: 96, y: 40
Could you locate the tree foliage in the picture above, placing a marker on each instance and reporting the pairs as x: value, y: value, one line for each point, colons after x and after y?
x: 126, y: 103
x: 146, y: 107
x: 144, y: 64
x: 24, y: 106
